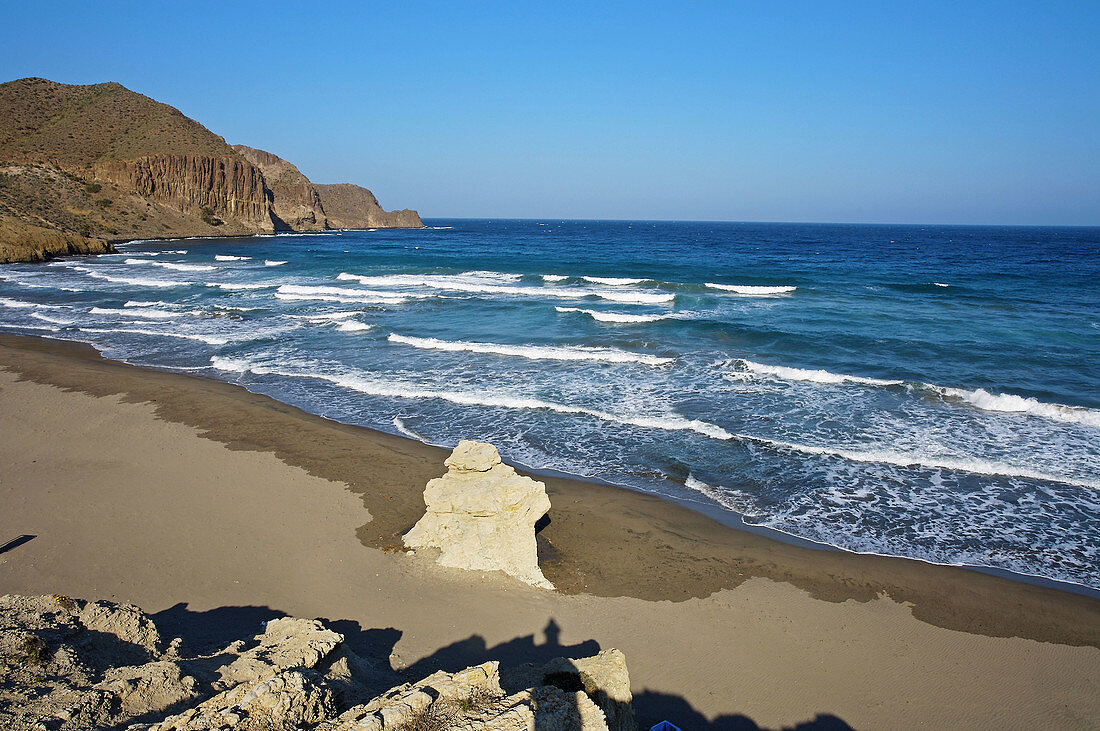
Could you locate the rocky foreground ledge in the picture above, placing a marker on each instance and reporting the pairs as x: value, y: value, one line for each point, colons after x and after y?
x: 67, y: 664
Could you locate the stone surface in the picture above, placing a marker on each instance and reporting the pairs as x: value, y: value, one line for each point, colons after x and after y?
x: 286, y: 643
x: 605, y: 680
x: 352, y: 206
x: 297, y: 203
x: 481, y: 515
x: 69, y: 665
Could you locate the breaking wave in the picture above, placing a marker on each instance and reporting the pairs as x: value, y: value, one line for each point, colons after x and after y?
x: 133, y: 281
x: 804, y: 374
x: 208, y: 339
x: 746, y: 290
x: 148, y: 313
x: 614, y: 281
x: 1007, y: 402
x: 532, y: 352
x: 613, y: 316
x: 479, y: 283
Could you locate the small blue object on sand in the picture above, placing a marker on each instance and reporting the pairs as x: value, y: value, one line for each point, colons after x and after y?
x: 664, y: 726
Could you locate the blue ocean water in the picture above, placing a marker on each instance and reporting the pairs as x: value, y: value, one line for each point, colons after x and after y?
x: 919, y: 391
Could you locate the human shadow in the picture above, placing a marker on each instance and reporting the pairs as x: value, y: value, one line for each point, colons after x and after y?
x: 474, y: 650
x: 213, y: 628
x: 651, y: 707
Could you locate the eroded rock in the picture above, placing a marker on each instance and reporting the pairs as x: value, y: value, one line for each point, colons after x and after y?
x: 481, y: 515
x: 60, y: 670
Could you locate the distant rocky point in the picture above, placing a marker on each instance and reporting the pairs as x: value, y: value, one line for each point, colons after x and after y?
x: 84, y: 166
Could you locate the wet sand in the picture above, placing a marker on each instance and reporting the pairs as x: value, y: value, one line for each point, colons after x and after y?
x: 191, y: 497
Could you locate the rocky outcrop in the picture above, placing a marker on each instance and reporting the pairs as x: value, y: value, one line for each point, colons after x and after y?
x: 20, y: 241
x: 350, y: 206
x: 69, y: 665
x: 228, y: 187
x: 481, y: 515
x: 297, y: 203
x: 100, y: 162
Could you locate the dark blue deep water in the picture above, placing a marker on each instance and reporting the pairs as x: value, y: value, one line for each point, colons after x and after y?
x: 921, y: 391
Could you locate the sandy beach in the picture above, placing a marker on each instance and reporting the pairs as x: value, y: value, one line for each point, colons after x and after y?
x: 214, y: 508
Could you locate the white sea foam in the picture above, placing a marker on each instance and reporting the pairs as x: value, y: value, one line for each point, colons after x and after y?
x: 494, y: 399
x: 672, y: 422
x: 635, y: 298
x: 233, y: 365
x: 554, y: 277
x: 133, y: 281
x: 804, y: 374
x: 1007, y: 402
x: 618, y: 317
x: 532, y: 352
x: 746, y: 290
x: 232, y: 286
x: 173, y: 265
x: 353, y: 326
x: 614, y: 281
x: 399, y: 424
x: 980, y: 398
x: 724, y: 496
x: 941, y: 284
x: 208, y: 339
x: 226, y: 257
x: 16, y: 304
x: 53, y: 320
x: 46, y: 328
x: 341, y: 294
x: 273, y: 263
x: 146, y: 312
x: 184, y: 267
x: 478, y: 283
x: 327, y: 316
x: 913, y: 459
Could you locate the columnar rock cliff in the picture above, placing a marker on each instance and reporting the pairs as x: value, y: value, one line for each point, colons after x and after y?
x: 81, y: 166
x: 228, y: 187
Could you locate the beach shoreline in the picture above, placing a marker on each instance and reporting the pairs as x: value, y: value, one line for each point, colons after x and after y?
x: 565, y: 549
x: 190, y: 496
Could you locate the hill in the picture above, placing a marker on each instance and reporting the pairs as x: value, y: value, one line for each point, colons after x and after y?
x: 84, y: 166
x: 350, y: 206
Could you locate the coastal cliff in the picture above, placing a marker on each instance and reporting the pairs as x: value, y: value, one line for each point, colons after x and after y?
x: 84, y: 166
x: 297, y: 203
x: 350, y: 206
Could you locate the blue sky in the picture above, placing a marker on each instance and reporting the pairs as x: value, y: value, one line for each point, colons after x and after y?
x: 919, y: 112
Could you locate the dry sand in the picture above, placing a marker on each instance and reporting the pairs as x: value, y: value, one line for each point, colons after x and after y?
x: 216, y: 508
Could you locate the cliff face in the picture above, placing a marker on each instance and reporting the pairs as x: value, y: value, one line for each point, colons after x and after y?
x: 297, y: 203
x: 351, y: 206
x: 229, y: 187
x: 84, y: 165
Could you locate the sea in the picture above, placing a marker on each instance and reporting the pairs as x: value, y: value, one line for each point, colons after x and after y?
x: 931, y: 392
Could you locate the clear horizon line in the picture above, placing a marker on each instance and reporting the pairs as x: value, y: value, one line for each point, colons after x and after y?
x: 784, y: 223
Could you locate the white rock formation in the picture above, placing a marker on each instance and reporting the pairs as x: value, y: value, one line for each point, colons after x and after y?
x: 481, y: 515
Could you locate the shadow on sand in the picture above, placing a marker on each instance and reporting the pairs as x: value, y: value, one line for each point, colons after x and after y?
x: 216, y: 628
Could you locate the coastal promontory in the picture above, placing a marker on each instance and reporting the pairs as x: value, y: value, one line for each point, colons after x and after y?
x: 83, y: 166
